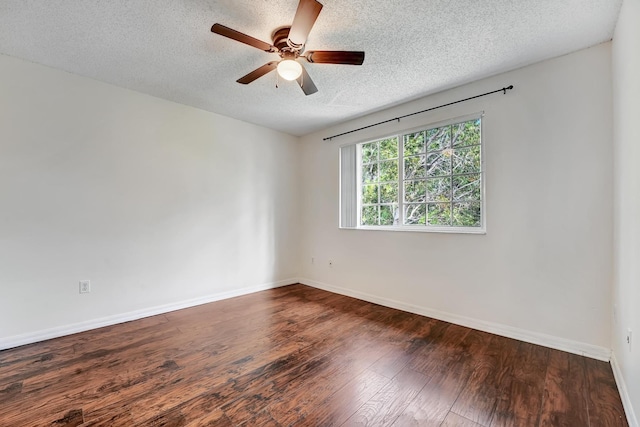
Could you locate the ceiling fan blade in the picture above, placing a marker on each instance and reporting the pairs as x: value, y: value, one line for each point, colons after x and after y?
x: 335, y: 57
x: 306, y: 15
x: 242, y: 38
x: 305, y: 82
x: 257, y: 73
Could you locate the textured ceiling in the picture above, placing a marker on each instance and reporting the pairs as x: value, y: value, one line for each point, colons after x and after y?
x: 413, y: 48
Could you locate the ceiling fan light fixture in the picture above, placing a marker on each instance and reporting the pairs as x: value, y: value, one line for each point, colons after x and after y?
x: 289, y: 69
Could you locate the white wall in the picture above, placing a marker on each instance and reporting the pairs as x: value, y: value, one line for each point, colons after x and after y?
x: 155, y: 202
x: 543, y: 270
x: 626, y: 290
x: 161, y: 204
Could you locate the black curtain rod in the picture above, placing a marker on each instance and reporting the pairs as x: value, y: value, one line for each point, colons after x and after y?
x: 503, y: 90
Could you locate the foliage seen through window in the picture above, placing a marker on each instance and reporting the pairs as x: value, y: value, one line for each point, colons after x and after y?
x: 431, y: 177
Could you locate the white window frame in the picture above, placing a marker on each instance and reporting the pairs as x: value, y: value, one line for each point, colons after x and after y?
x: 416, y: 228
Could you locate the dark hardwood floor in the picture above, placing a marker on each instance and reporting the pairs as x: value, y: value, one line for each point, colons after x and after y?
x: 300, y: 356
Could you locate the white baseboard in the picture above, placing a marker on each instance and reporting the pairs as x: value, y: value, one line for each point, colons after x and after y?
x: 563, y: 344
x: 29, y: 338
x: 589, y: 350
x: 624, y: 393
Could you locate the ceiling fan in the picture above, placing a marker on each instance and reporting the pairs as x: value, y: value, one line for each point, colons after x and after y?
x: 288, y: 42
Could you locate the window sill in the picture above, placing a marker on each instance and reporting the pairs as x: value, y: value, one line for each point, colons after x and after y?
x: 421, y: 229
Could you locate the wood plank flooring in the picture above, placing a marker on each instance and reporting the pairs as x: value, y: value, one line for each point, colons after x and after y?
x: 298, y: 356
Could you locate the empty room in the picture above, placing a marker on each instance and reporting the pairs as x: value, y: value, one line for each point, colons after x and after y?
x: 319, y: 213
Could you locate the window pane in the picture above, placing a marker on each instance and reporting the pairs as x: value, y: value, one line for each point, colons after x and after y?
x: 467, y: 133
x: 389, y: 171
x: 388, y: 214
x: 370, y: 152
x: 415, y: 214
x: 414, y: 167
x: 414, y: 143
x: 389, y: 148
x: 438, y: 183
x: 438, y: 138
x: 439, y: 189
x: 389, y: 193
x: 370, y: 194
x: 466, y: 160
x: 466, y: 214
x: 369, y: 215
x: 439, y: 164
x: 415, y: 191
x: 467, y: 187
x: 370, y: 173
x: 439, y: 213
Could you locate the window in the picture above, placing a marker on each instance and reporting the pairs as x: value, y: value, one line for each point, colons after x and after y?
x: 425, y: 179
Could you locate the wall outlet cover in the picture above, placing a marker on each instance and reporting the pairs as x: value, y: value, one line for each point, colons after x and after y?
x: 85, y: 286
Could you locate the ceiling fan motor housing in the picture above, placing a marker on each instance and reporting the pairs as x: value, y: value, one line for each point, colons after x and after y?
x: 281, y: 40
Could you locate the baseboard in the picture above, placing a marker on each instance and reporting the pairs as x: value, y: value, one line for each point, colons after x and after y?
x: 632, y: 420
x: 583, y: 349
x: 30, y: 338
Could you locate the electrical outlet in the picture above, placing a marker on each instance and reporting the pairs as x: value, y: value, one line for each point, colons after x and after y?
x: 85, y: 286
x: 629, y: 338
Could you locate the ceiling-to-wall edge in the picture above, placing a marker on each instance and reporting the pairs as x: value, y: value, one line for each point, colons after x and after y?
x: 447, y: 94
